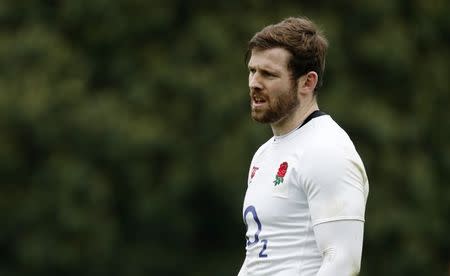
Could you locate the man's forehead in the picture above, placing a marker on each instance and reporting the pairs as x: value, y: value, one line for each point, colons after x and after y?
x: 273, y: 57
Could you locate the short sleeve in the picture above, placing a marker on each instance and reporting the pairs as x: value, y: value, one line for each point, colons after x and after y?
x: 335, y: 184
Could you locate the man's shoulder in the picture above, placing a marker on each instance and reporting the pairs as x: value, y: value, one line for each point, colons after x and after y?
x: 327, y: 140
x: 263, y: 147
x: 325, y: 133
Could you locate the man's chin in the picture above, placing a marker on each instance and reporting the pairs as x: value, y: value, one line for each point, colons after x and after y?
x: 261, y: 118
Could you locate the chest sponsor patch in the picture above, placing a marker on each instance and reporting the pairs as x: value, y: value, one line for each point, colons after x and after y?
x: 254, y: 169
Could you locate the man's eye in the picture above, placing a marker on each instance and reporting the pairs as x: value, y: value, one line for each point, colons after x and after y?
x: 268, y: 74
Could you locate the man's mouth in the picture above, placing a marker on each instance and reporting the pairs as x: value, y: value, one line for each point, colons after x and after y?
x: 257, y: 101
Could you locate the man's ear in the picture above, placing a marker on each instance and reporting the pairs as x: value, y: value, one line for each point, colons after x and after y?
x: 309, y: 81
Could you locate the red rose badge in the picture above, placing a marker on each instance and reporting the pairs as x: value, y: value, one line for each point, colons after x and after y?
x: 281, y: 173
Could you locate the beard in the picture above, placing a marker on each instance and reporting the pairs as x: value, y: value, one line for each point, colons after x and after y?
x: 278, y: 107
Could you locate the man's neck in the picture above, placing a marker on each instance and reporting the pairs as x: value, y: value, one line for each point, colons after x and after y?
x: 295, y: 119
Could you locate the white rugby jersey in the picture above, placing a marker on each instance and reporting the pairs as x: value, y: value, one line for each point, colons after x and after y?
x: 296, y: 181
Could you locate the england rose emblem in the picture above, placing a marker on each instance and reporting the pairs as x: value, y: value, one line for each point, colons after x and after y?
x: 281, y: 173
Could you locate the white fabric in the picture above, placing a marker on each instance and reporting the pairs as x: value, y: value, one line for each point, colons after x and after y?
x: 340, y: 243
x: 243, y: 271
x: 325, y: 181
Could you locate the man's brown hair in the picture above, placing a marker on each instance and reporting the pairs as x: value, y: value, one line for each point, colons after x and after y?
x: 302, y: 38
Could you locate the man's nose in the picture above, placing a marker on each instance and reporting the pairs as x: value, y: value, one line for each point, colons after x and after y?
x: 254, y: 82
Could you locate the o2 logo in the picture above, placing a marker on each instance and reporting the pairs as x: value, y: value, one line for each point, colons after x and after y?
x: 252, y: 239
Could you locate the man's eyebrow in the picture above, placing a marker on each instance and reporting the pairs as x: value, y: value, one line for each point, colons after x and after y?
x: 270, y: 70
x: 264, y: 68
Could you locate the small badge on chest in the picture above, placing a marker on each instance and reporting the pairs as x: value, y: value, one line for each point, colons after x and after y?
x: 279, y: 177
x: 252, y: 174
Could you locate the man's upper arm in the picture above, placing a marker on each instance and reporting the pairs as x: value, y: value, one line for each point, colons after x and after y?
x: 335, y: 184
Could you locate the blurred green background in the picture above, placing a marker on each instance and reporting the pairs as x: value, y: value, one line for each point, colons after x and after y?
x: 125, y: 135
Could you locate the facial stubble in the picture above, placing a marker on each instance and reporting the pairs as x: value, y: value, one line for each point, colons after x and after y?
x: 279, y: 107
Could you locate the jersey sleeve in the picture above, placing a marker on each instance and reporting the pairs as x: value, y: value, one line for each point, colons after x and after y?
x: 340, y: 243
x: 335, y: 184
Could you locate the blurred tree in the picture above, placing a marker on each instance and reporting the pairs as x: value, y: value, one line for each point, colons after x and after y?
x: 125, y: 135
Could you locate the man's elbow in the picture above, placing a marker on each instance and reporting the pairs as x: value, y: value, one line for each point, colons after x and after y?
x: 350, y: 263
x: 342, y: 261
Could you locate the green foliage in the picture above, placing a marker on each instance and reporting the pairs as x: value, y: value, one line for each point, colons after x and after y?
x: 125, y: 134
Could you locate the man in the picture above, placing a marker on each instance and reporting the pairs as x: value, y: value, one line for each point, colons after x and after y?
x: 307, y: 186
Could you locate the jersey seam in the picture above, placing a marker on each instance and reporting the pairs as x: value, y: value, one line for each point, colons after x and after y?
x: 316, y: 222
